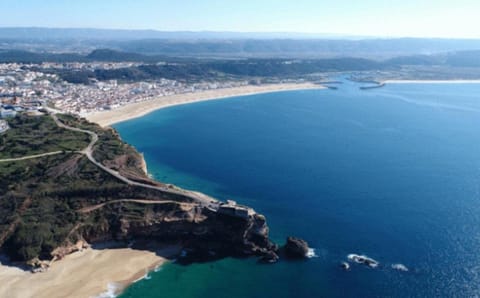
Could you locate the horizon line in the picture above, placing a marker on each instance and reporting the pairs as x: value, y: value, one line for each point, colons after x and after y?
x: 310, y: 35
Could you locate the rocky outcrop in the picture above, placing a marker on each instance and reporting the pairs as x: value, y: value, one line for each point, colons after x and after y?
x: 68, y: 248
x: 296, y: 248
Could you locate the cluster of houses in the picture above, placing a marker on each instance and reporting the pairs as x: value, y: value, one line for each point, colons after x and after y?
x: 10, y: 110
x: 32, y: 108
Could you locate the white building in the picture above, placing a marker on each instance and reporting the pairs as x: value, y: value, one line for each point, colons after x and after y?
x: 4, y: 113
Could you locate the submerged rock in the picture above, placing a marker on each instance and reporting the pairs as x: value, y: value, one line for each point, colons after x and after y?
x: 296, y: 248
x: 269, y: 257
x: 345, y: 266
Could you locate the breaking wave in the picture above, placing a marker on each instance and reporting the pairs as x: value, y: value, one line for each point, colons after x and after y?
x: 311, y: 253
x: 400, y: 267
x: 110, y: 292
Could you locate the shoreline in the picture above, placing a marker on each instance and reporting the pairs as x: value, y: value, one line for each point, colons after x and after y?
x: 430, y: 82
x: 113, y: 269
x: 108, y: 271
x: 139, y: 109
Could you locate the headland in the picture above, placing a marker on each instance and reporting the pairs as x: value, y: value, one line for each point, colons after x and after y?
x: 94, y: 190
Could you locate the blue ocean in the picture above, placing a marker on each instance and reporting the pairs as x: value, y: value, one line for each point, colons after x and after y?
x: 391, y: 173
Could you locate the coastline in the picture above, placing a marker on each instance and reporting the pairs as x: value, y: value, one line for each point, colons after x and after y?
x: 89, y: 273
x: 431, y: 82
x: 107, y: 272
x: 139, y: 109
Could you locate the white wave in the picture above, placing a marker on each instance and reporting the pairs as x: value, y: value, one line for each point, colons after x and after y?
x: 400, y: 267
x: 146, y: 277
x: 345, y: 266
x: 311, y: 253
x: 110, y: 292
x: 362, y: 259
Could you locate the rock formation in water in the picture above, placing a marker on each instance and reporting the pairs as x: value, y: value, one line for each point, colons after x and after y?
x: 296, y: 248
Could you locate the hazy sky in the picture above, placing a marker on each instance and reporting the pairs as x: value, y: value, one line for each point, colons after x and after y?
x: 432, y: 18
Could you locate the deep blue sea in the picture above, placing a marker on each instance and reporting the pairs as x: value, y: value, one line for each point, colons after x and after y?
x: 392, y: 173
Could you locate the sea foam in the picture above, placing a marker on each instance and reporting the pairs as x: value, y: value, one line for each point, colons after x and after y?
x: 146, y: 277
x: 400, y: 267
x: 362, y: 259
x: 110, y: 292
x: 311, y: 253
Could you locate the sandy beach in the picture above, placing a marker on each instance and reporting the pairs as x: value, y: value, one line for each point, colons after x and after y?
x: 431, y: 82
x: 90, y: 273
x: 134, y: 110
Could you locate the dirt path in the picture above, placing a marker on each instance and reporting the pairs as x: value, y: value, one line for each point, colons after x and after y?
x: 32, y: 156
x: 95, y: 207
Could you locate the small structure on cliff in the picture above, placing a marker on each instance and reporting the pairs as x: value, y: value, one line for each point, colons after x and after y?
x: 231, y: 208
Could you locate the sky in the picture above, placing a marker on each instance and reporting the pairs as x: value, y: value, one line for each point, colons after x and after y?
x: 385, y: 18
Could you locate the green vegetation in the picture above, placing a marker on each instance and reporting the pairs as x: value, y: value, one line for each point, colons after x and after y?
x: 55, y: 187
x: 37, y: 135
x: 41, y: 199
x: 110, y: 149
x: 189, y: 69
x: 220, y: 70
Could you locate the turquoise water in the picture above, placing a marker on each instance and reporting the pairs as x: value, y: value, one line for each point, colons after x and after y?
x: 393, y: 173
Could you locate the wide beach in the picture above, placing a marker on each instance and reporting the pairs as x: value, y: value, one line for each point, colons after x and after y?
x: 134, y: 110
x: 90, y: 273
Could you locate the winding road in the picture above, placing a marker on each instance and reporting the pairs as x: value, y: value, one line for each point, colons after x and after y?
x: 198, y: 198
x: 201, y: 199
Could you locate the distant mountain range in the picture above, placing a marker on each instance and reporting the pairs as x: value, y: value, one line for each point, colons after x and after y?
x: 465, y: 64
x: 39, y: 33
x: 227, y: 44
x: 450, y: 59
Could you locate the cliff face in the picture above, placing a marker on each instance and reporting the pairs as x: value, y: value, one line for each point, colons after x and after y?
x: 204, y: 234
